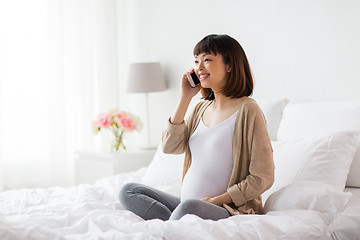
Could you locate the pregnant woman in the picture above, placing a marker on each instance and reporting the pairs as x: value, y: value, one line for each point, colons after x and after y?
x: 228, y: 155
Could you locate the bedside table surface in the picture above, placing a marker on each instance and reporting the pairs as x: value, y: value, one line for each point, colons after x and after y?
x: 90, y: 166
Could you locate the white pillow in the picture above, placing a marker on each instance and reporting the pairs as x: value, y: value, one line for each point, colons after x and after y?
x: 273, y: 110
x: 326, y: 160
x: 308, y: 195
x: 164, y: 169
x: 311, y: 119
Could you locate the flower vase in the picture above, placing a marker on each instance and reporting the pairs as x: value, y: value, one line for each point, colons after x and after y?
x: 118, y: 122
x: 118, y: 145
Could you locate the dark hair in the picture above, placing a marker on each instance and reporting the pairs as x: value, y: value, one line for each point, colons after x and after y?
x: 240, y: 82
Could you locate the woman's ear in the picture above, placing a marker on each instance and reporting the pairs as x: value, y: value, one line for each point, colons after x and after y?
x: 228, y: 68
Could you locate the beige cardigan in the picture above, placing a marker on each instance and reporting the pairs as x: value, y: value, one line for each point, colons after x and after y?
x: 253, y: 167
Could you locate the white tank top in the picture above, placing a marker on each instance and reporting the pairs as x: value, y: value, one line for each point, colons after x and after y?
x: 211, y: 160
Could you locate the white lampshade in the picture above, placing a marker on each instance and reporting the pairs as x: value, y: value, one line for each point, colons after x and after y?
x: 145, y: 77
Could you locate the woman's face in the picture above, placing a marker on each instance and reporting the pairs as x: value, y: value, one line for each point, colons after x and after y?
x: 211, y: 71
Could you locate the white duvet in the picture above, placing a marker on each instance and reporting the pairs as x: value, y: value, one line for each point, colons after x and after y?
x: 93, y: 212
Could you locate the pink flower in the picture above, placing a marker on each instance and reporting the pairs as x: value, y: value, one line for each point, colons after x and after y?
x: 117, y: 122
x: 120, y: 115
x: 127, y: 124
x: 104, y: 120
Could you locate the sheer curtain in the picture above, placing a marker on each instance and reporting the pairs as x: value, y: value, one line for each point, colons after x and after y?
x: 58, y: 70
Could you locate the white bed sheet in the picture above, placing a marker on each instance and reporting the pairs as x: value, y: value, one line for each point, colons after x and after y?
x: 346, y: 225
x: 93, y: 212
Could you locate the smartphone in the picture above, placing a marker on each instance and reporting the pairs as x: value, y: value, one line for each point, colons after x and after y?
x: 193, y: 79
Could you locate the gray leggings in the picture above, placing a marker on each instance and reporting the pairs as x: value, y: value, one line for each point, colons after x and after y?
x: 150, y: 203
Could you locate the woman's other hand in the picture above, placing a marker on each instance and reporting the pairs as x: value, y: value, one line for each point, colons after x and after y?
x: 219, y: 200
x: 210, y: 200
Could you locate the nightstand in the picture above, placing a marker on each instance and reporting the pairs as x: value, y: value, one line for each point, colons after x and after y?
x: 90, y: 166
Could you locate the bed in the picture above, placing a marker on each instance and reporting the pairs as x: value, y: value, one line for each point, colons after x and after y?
x: 316, y: 194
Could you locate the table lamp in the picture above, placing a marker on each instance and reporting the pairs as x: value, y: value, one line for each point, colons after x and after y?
x: 145, y: 78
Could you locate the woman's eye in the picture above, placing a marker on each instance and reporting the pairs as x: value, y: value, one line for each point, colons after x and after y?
x: 207, y: 60
x: 196, y: 61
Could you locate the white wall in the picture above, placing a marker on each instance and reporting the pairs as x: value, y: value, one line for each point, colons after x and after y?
x: 302, y: 50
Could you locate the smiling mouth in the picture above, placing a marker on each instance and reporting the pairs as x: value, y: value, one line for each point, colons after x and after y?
x: 203, y: 76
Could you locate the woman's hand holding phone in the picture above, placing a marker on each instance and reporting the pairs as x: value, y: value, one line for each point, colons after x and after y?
x: 187, y: 93
x: 187, y: 90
